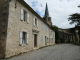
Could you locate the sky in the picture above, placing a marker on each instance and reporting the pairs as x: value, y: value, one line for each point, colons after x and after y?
x: 59, y: 10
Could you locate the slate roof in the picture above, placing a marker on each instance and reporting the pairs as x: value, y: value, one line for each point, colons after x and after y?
x: 46, y: 11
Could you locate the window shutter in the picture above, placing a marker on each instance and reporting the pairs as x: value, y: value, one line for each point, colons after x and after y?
x: 27, y: 38
x: 53, y: 40
x: 42, y: 38
x: 37, y: 22
x: 21, y: 35
x: 22, y: 14
x: 34, y: 21
x: 41, y: 25
x: 27, y: 17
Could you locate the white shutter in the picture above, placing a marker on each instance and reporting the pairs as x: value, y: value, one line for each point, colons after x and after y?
x: 27, y: 38
x: 34, y: 21
x: 22, y: 14
x: 27, y: 17
x: 21, y: 34
x: 37, y: 22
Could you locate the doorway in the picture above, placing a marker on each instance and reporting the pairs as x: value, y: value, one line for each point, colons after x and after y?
x: 45, y: 40
x: 35, y: 40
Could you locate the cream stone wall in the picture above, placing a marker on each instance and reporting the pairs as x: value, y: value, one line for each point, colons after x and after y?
x: 15, y: 25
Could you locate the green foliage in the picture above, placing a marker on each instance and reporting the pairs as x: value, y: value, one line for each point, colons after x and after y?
x: 72, y: 30
x: 74, y: 18
x: 58, y: 41
x: 57, y: 36
x: 20, y: 53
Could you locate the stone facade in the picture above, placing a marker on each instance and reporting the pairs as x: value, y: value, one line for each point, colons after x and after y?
x: 66, y: 36
x: 10, y: 41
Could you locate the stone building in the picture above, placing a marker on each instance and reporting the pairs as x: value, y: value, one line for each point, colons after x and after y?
x: 22, y: 29
x: 66, y: 36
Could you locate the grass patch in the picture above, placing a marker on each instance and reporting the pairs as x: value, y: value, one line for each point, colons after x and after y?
x: 20, y: 53
x: 45, y: 46
x: 24, y: 52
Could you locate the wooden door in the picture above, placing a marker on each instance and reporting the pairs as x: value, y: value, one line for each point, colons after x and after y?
x: 35, y: 40
x: 45, y: 41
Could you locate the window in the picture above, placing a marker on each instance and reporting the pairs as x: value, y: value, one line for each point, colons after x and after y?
x: 24, y: 37
x: 24, y: 15
x: 42, y: 38
x: 48, y: 18
x: 35, y: 22
x: 47, y: 39
x: 41, y: 26
x: 51, y: 32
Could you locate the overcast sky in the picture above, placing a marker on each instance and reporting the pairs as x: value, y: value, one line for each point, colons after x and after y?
x: 59, y: 10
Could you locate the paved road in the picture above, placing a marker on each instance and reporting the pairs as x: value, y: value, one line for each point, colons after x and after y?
x: 57, y: 52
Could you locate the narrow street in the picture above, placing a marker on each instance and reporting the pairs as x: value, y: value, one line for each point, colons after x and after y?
x: 57, y: 52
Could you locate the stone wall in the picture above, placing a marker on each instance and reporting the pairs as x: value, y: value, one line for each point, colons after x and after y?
x: 15, y: 25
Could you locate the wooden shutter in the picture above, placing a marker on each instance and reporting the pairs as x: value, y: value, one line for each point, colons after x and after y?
x: 53, y: 40
x: 27, y: 17
x: 42, y: 38
x: 27, y: 38
x: 34, y: 21
x: 41, y: 25
x: 22, y: 14
x: 37, y: 22
x: 21, y: 35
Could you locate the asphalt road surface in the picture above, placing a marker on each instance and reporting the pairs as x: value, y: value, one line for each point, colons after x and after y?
x: 57, y: 52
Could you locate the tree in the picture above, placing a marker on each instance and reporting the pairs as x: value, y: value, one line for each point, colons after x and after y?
x: 55, y: 28
x: 74, y: 18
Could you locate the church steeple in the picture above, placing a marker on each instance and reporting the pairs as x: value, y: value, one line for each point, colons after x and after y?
x: 46, y: 11
x: 46, y: 17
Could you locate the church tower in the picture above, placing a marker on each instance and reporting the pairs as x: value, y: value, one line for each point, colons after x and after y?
x: 46, y: 17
